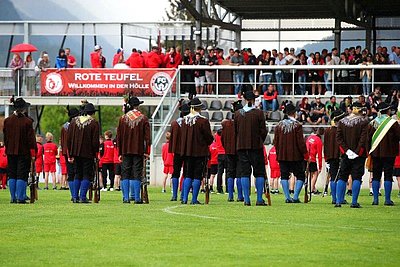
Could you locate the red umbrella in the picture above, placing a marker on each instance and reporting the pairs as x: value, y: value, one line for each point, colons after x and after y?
x: 23, y: 48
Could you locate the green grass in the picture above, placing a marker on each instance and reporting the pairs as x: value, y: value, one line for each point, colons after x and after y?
x: 56, y: 232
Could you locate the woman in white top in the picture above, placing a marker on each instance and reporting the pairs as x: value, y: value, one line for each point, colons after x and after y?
x: 30, y: 75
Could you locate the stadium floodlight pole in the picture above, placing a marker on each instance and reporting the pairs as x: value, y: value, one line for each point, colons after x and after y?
x: 198, y: 23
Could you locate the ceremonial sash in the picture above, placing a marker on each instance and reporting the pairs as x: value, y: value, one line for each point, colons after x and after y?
x: 380, y: 132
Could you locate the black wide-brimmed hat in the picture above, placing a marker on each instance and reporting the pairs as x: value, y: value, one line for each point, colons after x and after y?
x: 184, y: 108
x: 382, y: 107
x: 20, y: 103
x: 249, y: 95
x: 89, y: 108
x: 73, y: 112
x: 134, y: 101
x: 289, y: 109
x: 195, y: 103
x: 236, y: 105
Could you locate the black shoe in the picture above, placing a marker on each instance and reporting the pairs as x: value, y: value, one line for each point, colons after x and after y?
x: 240, y: 200
x: 220, y: 192
x: 27, y: 198
x: 316, y: 193
x: 85, y: 201
x: 344, y: 202
x: 380, y: 194
x: 349, y: 193
x: 375, y: 203
x: 196, y: 203
x: 55, y: 188
x: 247, y: 203
x: 46, y: 188
x: 138, y: 202
x: 173, y: 199
x: 296, y: 201
x: 371, y: 194
x: 75, y: 200
x: 355, y: 206
x: 333, y: 202
x: 390, y: 203
x: 338, y: 206
x: 289, y: 201
x: 126, y: 202
x: 261, y: 203
x: 22, y: 202
x: 231, y: 200
x: 13, y: 201
x: 183, y: 202
x: 118, y: 189
x: 202, y: 191
x: 132, y: 199
x: 291, y: 191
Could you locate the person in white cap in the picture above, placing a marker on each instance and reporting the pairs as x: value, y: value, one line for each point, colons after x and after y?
x: 96, y: 57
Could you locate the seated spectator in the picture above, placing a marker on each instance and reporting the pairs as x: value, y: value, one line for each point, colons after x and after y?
x: 346, y: 104
x: 366, y: 106
x: 318, y: 114
x: 393, y: 100
x: 331, y: 106
x: 270, y: 99
x: 304, y: 110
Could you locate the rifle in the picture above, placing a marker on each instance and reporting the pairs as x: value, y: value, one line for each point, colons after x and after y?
x: 96, y: 185
x: 33, y: 184
x: 206, y: 182
x: 145, y: 182
x: 306, y: 183
x: 266, y: 190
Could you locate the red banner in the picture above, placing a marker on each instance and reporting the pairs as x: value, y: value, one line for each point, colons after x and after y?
x: 106, y: 82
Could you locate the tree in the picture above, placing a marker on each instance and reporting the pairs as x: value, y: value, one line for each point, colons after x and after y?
x: 177, y: 12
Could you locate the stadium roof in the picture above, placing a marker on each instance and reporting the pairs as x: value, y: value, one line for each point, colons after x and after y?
x: 311, y: 9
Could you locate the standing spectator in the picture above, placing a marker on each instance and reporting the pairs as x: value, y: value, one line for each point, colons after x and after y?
x: 238, y: 75
x: 50, y: 151
x: 30, y: 75
x: 3, y: 167
x: 41, y: 56
x: 342, y: 76
x: 210, y: 60
x: 394, y: 58
x: 270, y: 99
x: 366, y: 75
x: 153, y: 59
x: 96, y: 57
x: 173, y: 59
x: 328, y: 73
x: 118, y: 57
x: 252, y: 60
x: 314, y: 148
x: 335, y: 57
x: 135, y: 60
x: 302, y: 74
x: 71, y: 59
x: 199, y: 75
x: 17, y: 64
x: 212, y: 164
x: 168, y: 161
x: 107, y: 161
x: 187, y: 75
x: 317, y: 76
x: 221, y: 162
x: 61, y: 60
x: 266, y: 76
x: 44, y: 63
x: 280, y: 60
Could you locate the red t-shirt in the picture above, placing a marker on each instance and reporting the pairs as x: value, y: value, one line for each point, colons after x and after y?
x: 95, y: 60
x: 71, y: 59
x: 39, y: 154
x: 116, y: 155
x: 220, y: 147
x: 108, y: 153
x: 168, y: 158
x: 273, y: 162
x: 213, y: 154
x: 314, y: 148
x: 397, y: 161
x: 50, y: 151
x: 3, y: 158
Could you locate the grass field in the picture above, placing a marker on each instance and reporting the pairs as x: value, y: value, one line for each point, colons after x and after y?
x: 56, y: 232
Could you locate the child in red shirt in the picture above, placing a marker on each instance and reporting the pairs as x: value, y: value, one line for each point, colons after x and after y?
x: 3, y: 166
x: 168, y: 160
x: 274, y: 170
x: 63, y: 165
x: 50, y: 151
x: 314, y: 148
x: 107, y: 161
x: 39, y: 156
x: 213, y: 164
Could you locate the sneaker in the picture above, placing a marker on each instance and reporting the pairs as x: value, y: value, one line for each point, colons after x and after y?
x: 118, y: 189
x: 202, y: 191
x: 55, y: 188
x: 103, y: 189
x: 325, y: 194
x: 163, y: 191
x: 316, y: 193
x: 46, y: 188
x: 111, y: 189
x: 371, y: 194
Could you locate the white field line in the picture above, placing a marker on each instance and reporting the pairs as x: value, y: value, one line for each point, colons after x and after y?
x: 171, y: 210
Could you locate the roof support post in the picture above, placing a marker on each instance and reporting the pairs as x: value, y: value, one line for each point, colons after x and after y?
x: 198, y: 23
x: 338, y: 33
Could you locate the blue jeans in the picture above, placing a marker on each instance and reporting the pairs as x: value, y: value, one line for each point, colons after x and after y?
x: 328, y: 84
x: 302, y: 84
x: 265, y: 79
x: 278, y: 77
x: 366, y: 83
x: 238, y: 78
x: 270, y: 106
